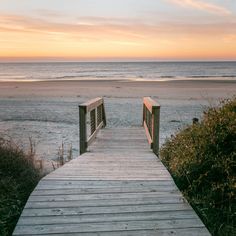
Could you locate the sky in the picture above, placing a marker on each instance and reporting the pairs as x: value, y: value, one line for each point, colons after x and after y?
x: 117, y: 30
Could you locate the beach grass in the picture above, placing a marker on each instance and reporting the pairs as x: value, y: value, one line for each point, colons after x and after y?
x: 202, y: 161
x: 18, y: 177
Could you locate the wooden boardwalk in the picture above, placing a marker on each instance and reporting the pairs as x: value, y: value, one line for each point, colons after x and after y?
x: 118, y: 187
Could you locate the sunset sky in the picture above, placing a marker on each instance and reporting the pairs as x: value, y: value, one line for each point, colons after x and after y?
x: 117, y: 30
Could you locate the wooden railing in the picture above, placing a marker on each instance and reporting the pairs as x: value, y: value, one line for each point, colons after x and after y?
x: 151, y: 122
x: 96, y: 120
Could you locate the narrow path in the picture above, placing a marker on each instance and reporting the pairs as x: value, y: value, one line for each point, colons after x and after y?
x: 119, y: 187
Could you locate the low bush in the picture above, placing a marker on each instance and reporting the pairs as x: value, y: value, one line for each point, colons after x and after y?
x: 202, y: 161
x: 18, y: 177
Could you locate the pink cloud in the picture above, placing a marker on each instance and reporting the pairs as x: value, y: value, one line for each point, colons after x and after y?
x: 93, y: 29
x: 203, y: 5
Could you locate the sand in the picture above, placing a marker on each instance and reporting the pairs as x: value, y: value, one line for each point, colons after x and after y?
x: 48, y: 111
x: 120, y: 89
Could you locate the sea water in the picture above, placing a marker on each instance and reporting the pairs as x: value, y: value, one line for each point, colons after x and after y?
x: 160, y: 71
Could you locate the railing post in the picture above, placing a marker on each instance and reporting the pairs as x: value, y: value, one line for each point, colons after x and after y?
x: 144, y: 114
x: 83, y: 129
x: 104, y: 115
x: 156, y: 129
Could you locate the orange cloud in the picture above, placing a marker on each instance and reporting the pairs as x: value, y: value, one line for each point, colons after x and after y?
x: 201, y: 5
x: 22, y: 36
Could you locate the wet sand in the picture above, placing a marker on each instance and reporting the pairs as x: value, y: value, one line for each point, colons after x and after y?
x: 132, y: 89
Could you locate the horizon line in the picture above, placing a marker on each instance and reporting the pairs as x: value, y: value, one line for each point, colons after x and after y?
x: 115, y: 61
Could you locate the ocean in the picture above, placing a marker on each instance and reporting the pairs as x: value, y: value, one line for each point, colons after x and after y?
x: 146, y: 71
x: 53, y: 121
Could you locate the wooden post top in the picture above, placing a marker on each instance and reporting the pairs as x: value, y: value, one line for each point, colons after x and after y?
x: 92, y: 104
x: 150, y: 103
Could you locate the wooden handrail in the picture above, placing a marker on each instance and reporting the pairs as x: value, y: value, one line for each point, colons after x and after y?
x: 95, y: 109
x: 151, y: 122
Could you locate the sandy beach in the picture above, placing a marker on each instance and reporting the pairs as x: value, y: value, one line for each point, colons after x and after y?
x: 120, y: 89
x: 48, y: 111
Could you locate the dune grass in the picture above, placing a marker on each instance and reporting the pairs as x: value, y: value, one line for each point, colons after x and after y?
x: 18, y: 177
x: 202, y: 161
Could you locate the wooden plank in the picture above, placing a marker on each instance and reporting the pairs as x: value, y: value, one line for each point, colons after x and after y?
x: 103, y: 217
x: 117, y: 147
x: 150, y: 103
x: 113, y: 172
x: 107, y: 226
x: 105, y: 184
x: 114, y: 163
x: 153, y: 232
x: 108, y: 184
x: 124, y: 143
x: 111, y: 178
x: 105, y: 202
x: 78, y: 191
x: 105, y: 196
x: 112, y: 150
x: 111, y: 156
x: 80, y: 210
x: 141, y: 175
x: 121, y: 169
x: 93, y: 136
x: 149, y: 138
x: 92, y: 104
x: 114, y: 168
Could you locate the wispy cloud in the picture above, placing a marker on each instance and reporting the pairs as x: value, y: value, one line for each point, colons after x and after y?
x: 49, y: 13
x: 111, y: 27
x: 82, y: 29
x: 113, y: 37
x: 203, y: 5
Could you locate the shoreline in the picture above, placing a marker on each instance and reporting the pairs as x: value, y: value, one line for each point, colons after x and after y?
x: 179, y: 89
x: 164, y: 80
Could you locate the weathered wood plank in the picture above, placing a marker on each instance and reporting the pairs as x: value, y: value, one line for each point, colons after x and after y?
x: 112, y: 172
x: 150, y: 103
x: 92, y: 104
x: 79, y: 190
x: 93, y: 136
x: 176, y: 207
x: 103, y: 217
x: 134, y: 196
x: 108, y: 226
x: 107, y: 183
x: 160, y: 232
x: 109, y: 177
x: 106, y: 202
x: 149, y: 138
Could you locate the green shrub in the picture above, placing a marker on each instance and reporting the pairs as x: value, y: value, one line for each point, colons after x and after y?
x: 18, y: 177
x: 202, y: 161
